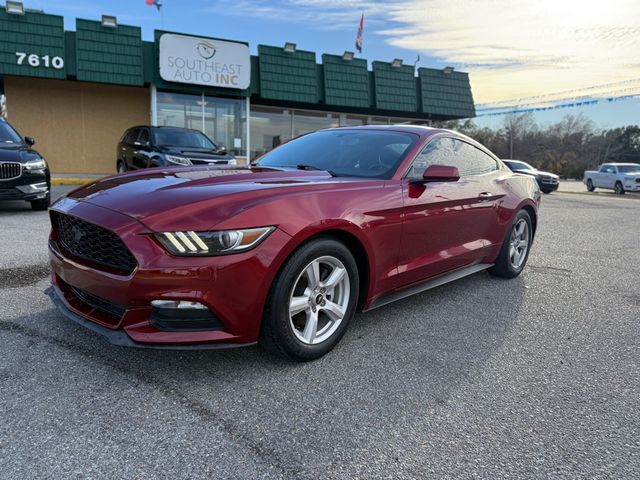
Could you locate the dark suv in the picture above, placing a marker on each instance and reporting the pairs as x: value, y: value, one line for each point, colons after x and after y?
x: 145, y: 146
x: 548, y: 182
x: 24, y: 175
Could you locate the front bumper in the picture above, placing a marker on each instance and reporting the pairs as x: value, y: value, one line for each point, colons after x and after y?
x: 233, y: 287
x: 119, y: 337
x: 28, y: 186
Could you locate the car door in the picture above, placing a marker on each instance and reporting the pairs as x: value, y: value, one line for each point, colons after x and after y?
x: 142, y: 149
x: 127, y: 146
x: 447, y: 225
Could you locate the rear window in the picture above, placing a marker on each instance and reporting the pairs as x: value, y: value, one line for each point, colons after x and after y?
x: 345, y: 152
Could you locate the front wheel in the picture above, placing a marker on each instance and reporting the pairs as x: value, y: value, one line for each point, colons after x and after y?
x: 311, y: 301
x: 618, y: 188
x: 590, y: 186
x: 515, y: 248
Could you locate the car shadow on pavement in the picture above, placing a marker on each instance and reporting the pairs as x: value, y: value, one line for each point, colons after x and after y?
x: 396, y: 364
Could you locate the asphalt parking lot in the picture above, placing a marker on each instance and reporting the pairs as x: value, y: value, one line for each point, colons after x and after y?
x: 483, y: 378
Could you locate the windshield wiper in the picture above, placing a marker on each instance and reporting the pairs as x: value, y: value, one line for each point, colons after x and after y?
x: 302, y: 166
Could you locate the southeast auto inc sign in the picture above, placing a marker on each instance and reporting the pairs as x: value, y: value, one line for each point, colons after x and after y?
x: 203, y: 61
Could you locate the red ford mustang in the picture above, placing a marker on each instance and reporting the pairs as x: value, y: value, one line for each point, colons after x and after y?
x: 283, y: 253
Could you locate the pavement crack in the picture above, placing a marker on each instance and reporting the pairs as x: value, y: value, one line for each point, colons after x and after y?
x: 23, y: 276
x: 265, y: 454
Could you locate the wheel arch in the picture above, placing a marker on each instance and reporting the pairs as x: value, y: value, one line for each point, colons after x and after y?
x: 534, y: 217
x: 355, y: 245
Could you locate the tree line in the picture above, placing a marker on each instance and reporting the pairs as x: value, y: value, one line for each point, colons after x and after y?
x: 568, y: 147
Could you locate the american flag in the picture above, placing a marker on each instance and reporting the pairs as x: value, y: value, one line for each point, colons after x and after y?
x: 359, y: 36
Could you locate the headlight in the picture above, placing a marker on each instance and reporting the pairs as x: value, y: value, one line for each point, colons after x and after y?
x: 38, y: 164
x: 222, y: 242
x: 178, y: 160
x: 233, y: 161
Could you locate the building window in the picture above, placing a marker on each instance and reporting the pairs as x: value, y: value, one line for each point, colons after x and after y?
x: 221, y: 119
x: 269, y: 128
x: 308, y: 121
x: 355, y: 120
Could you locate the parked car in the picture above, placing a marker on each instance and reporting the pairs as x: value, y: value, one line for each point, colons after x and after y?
x: 620, y: 177
x: 24, y: 174
x: 285, y: 251
x: 145, y: 146
x: 548, y: 182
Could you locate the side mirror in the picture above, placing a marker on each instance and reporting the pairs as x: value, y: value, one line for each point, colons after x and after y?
x: 440, y: 173
x: 29, y: 141
x: 222, y: 150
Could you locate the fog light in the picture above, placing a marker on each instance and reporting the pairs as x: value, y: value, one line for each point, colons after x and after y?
x: 33, y: 188
x: 181, y: 305
x: 183, y: 316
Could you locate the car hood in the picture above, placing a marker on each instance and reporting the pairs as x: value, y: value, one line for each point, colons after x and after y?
x: 17, y: 153
x: 535, y: 173
x: 196, y: 153
x: 548, y: 174
x: 162, y: 198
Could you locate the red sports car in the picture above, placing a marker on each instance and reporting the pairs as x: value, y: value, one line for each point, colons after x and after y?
x: 284, y: 252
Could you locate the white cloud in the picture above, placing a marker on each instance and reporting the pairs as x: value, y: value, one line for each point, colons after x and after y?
x: 512, y: 48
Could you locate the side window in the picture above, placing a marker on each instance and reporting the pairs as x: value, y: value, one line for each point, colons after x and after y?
x: 143, y: 138
x: 438, y: 151
x: 131, y: 136
x: 479, y: 162
x: 468, y: 159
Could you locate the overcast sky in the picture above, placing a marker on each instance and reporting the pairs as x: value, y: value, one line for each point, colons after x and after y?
x: 511, y: 48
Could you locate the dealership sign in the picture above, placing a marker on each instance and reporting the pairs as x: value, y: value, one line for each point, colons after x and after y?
x: 202, y: 61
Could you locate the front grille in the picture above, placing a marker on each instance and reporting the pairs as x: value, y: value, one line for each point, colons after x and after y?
x: 9, y: 171
x: 105, y: 306
x: 638, y: 180
x: 550, y: 180
x: 91, y: 242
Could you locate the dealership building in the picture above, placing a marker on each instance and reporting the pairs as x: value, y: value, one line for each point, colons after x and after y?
x: 76, y: 91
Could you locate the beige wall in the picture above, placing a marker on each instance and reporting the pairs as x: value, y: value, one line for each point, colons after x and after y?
x: 76, y: 125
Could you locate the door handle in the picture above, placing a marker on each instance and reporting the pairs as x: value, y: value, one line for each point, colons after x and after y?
x: 485, y: 195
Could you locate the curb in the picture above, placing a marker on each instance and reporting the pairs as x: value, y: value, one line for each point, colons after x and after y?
x: 71, y: 181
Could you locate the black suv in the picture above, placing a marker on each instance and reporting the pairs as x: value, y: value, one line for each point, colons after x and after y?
x: 548, y: 182
x: 145, y: 146
x: 24, y: 175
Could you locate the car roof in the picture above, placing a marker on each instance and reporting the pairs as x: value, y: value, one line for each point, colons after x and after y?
x: 619, y: 163
x: 420, y: 130
x: 164, y: 127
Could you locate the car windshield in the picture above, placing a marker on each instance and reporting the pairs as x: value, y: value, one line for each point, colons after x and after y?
x: 175, y: 137
x: 344, y: 152
x: 629, y: 168
x: 8, y: 136
x: 518, y: 165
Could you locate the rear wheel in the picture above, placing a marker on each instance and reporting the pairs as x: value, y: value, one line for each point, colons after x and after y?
x: 590, y: 186
x: 311, y: 301
x: 515, y: 248
x: 618, y: 188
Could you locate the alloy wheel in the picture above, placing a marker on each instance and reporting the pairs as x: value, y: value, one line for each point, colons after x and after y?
x: 519, y: 243
x: 319, y: 300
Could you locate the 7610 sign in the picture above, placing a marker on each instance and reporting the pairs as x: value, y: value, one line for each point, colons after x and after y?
x: 34, y: 60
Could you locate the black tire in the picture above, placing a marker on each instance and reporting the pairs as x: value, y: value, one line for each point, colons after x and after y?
x: 277, y: 332
x: 619, y: 188
x: 590, y: 186
x: 503, y: 266
x: 43, y: 204
x: 121, y: 167
x: 547, y: 191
